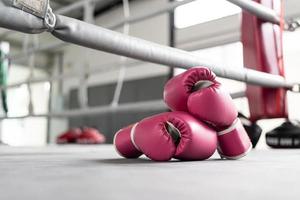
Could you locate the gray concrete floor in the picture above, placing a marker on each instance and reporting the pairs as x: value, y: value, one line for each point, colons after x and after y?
x: 97, y: 172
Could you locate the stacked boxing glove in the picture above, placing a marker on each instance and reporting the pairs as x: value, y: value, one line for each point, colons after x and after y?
x: 124, y: 144
x: 168, y: 135
x: 198, y: 92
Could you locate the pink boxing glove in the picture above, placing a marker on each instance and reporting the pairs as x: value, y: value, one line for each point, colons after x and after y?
x: 124, y: 145
x: 174, y: 135
x: 69, y: 136
x: 198, y: 92
x: 234, y: 142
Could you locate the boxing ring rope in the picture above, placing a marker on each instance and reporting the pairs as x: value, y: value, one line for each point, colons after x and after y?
x: 95, y: 70
x: 138, y: 18
x: 266, y: 14
x: 255, y: 8
x: 262, y: 12
x: 142, y: 106
x: 78, y: 5
x: 62, y: 11
x: 81, y: 33
x: 95, y: 37
x: 156, y: 105
x: 131, y: 20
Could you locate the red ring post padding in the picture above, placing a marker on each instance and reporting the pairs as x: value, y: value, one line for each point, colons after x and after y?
x: 262, y: 49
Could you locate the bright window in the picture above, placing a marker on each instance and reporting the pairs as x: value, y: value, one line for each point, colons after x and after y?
x: 29, y: 131
x: 224, y: 55
x: 201, y: 11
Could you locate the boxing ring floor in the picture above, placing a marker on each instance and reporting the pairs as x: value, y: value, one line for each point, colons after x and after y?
x: 97, y: 172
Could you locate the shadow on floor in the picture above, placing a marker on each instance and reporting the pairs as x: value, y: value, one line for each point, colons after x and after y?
x: 123, y: 161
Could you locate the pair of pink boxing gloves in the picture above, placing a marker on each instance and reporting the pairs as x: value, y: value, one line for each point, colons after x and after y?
x: 203, y: 119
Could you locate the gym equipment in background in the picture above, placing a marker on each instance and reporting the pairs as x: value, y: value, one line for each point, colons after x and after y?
x: 4, y: 67
x: 83, y: 135
x: 287, y: 135
x: 90, y: 136
x: 262, y: 48
x: 253, y: 130
x: 69, y: 137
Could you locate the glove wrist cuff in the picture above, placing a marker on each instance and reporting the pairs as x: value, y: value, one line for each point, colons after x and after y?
x: 132, y: 132
x: 230, y: 128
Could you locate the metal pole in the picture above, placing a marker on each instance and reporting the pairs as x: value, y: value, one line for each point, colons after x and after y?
x: 88, y: 16
x: 31, y: 64
x: 258, y: 10
x: 48, y: 137
x: 88, y: 12
x: 82, y: 95
x: 122, y: 71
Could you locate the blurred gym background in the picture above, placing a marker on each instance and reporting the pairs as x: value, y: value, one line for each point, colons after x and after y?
x: 193, y: 27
